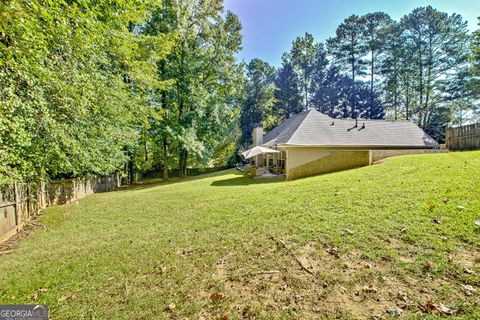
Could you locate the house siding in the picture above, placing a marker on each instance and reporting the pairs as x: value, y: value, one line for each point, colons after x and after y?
x: 335, y: 160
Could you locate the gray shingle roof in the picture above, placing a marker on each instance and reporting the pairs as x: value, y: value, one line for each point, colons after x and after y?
x: 312, y: 128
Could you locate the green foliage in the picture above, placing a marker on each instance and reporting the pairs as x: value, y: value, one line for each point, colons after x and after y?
x: 259, y: 100
x: 73, y: 77
x: 438, y: 46
x: 416, y: 69
x: 204, y: 76
x: 89, y: 86
x: 474, y: 84
x: 287, y: 92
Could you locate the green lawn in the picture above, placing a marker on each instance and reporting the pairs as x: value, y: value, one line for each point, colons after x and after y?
x: 351, y: 244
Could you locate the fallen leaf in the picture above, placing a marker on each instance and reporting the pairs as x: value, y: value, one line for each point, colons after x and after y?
x: 369, y: 289
x: 427, y: 307
x: 468, y: 289
x: 217, y: 297
x: 461, y: 208
x: 442, y: 309
x: 333, y: 251
x: 65, y: 297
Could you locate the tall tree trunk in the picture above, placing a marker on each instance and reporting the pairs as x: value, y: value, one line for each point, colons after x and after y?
x: 165, y: 139
x: 371, y: 82
x: 407, y: 102
x: 165, y: 159
x: 306, y: 91
x: 131, y: 169
x: 146, y: 150
x: 182, y: 162
x: 395, y: 101
x: 428, y: 86
x: 420, y: 65
x: 353, y: 102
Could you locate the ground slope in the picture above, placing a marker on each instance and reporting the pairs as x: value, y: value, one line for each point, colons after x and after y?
x: 398, y: 237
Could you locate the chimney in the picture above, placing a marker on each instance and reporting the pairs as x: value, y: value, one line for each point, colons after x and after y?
x: 257, y: 134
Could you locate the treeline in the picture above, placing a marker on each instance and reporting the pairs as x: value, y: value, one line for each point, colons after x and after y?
x: 422, y: 68
x: 104, y: 86
x: 95, y: 87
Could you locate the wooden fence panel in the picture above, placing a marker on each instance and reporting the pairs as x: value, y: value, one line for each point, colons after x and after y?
x: 20, y: 201
x: 463, y: 137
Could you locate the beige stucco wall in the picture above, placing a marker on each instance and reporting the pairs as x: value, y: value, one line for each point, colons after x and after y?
x: 299, y: 155
x: 327, y: 161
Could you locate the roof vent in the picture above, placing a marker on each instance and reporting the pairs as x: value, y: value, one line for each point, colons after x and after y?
x: 362, y: 127
x: 333, y: 122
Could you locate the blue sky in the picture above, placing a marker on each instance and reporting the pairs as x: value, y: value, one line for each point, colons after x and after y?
x: 269, y: 26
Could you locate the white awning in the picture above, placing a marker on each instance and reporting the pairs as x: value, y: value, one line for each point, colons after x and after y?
x: 258, y: 150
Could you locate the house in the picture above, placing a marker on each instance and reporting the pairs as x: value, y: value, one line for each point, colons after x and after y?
x: 312, y: 143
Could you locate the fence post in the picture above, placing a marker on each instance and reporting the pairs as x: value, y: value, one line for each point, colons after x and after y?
x: 17, y: 203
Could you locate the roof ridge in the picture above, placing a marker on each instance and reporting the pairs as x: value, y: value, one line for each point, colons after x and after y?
x: 310, y: 113
x: 307, y: 113
x: 286, y: 130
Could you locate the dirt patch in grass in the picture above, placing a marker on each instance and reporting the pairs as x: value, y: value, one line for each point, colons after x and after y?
x: 342, y: 286
x: 28, y: 229
x: 467, y: 258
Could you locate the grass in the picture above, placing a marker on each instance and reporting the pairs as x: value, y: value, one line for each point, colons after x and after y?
x: 222, y: 246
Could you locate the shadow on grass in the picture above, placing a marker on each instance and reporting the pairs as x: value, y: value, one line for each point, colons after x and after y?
x: 241, y: 180
x: 158, y: 182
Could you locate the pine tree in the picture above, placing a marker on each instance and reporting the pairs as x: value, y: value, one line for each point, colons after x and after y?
x: 287, y: 92
x: 259, y: 100
x: 378, y: 25
x: 348, y: 51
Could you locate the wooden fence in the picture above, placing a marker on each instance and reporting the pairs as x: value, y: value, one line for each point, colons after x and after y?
x: 21, y: 201
x: 157, y: 173
x: 463, y: 137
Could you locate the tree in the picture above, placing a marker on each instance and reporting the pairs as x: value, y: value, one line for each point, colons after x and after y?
x: 377, y: 27
x: 348, y: 50
x: 302, y: 56
x: 259, y: 100
x: 72, y: 104
x: 333, y: 95
x: 474, y: 84
x: 204, y: 78
x: 438, y: 44
x: 287, y: 92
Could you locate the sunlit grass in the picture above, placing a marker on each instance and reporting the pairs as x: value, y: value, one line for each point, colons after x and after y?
x: 154, y: 251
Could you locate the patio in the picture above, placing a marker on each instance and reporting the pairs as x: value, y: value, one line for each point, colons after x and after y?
x: 264, y: 163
